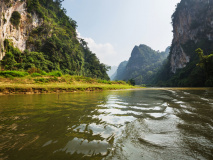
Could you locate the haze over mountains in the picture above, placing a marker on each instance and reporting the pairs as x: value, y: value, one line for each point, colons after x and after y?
x: 112, y: 71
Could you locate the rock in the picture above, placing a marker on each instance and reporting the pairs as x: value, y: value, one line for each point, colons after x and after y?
x: 20, y: 34
x: 192, y: 21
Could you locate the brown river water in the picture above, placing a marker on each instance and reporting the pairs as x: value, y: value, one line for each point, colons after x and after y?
x: 147, y: 124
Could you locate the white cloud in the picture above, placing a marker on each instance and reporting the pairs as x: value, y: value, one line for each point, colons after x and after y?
x: 105, y: 52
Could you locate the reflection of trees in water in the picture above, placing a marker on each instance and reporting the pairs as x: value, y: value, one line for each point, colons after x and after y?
x: 55, y: 119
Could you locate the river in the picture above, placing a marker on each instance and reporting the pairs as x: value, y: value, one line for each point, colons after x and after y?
x: 142, y: 124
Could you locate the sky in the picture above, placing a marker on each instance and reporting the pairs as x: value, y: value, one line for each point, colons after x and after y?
x: 113, y: 27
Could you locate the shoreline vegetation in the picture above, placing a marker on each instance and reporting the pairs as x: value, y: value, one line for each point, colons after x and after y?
x: 18, y: 82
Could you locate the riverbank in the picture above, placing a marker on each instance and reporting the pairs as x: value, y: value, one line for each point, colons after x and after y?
x: 52, y: 84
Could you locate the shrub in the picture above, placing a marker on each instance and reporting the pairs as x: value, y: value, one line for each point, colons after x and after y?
x: 43, y: 73
x: 77, y: 78
x: 15, y: 18
x: 104, y: 81
x: 8, y: 61
x: 41, y: 80
x: 8, y: 76
x: 118, y: 82
x: 131, y: 82
x: 88, y: 79
x: 13, y: 73
x: 46, y: 80
x: 35, y: 75
x: 55, y: 74
x: 34, y: 70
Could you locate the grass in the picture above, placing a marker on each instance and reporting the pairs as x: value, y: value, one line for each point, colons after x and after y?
x: 37, y: 83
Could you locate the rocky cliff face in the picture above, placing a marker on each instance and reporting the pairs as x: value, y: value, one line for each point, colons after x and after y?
x: 18, y: 35
x: 192, y: 21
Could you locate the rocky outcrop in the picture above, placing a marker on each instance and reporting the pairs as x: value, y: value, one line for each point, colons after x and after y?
x: 18, y: 35
x: 192, y: 21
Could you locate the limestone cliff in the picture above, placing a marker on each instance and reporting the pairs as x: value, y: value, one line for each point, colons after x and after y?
x: 192, y: 28
x: 18, y: 35
x: 192, y: 21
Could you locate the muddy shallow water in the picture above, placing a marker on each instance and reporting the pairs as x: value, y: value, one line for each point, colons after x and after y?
x: 134, y: 124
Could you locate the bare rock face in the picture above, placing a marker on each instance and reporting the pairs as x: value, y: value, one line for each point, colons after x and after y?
x: 18, y: 35
x: 191, y: 19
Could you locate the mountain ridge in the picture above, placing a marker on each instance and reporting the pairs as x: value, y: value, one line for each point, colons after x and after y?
x: 142, y: 64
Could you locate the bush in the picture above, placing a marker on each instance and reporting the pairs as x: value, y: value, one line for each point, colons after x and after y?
x: 41, y: 80
x: 13, y: 73
x: 8, y: 76
x: 8, y: 61
x: 43, y: 73
x: 35, y: 75
x: 88, y: 79
x: 104, y: 81
x: 34, y: 70
x: 55, y: 74
x: 131, y: 82
x: 118, y: 82
x: 15, y: 18
x: 46, y: 80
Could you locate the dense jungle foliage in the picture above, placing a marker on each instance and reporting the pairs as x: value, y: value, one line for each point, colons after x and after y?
x: 53, y: 45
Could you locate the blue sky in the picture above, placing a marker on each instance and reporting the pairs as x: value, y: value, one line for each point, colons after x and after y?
x: 113, y: 27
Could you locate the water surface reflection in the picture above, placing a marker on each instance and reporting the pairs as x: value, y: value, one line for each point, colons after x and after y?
x: 146, y: 124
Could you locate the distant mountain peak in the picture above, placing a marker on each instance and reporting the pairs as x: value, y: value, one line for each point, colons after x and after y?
x: 142, y: 65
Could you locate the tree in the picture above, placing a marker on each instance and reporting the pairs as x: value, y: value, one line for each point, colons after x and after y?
x: 84, y: 43
x: 131, y: 82
x: 8, y: 61
x: 15, y: 18
x: 205, y: 61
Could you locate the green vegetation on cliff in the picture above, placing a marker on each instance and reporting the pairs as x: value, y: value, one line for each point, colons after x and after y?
x: 53, y: 45
x: 191, y: 75
x: 15, y: 18
x: 206, y: 63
